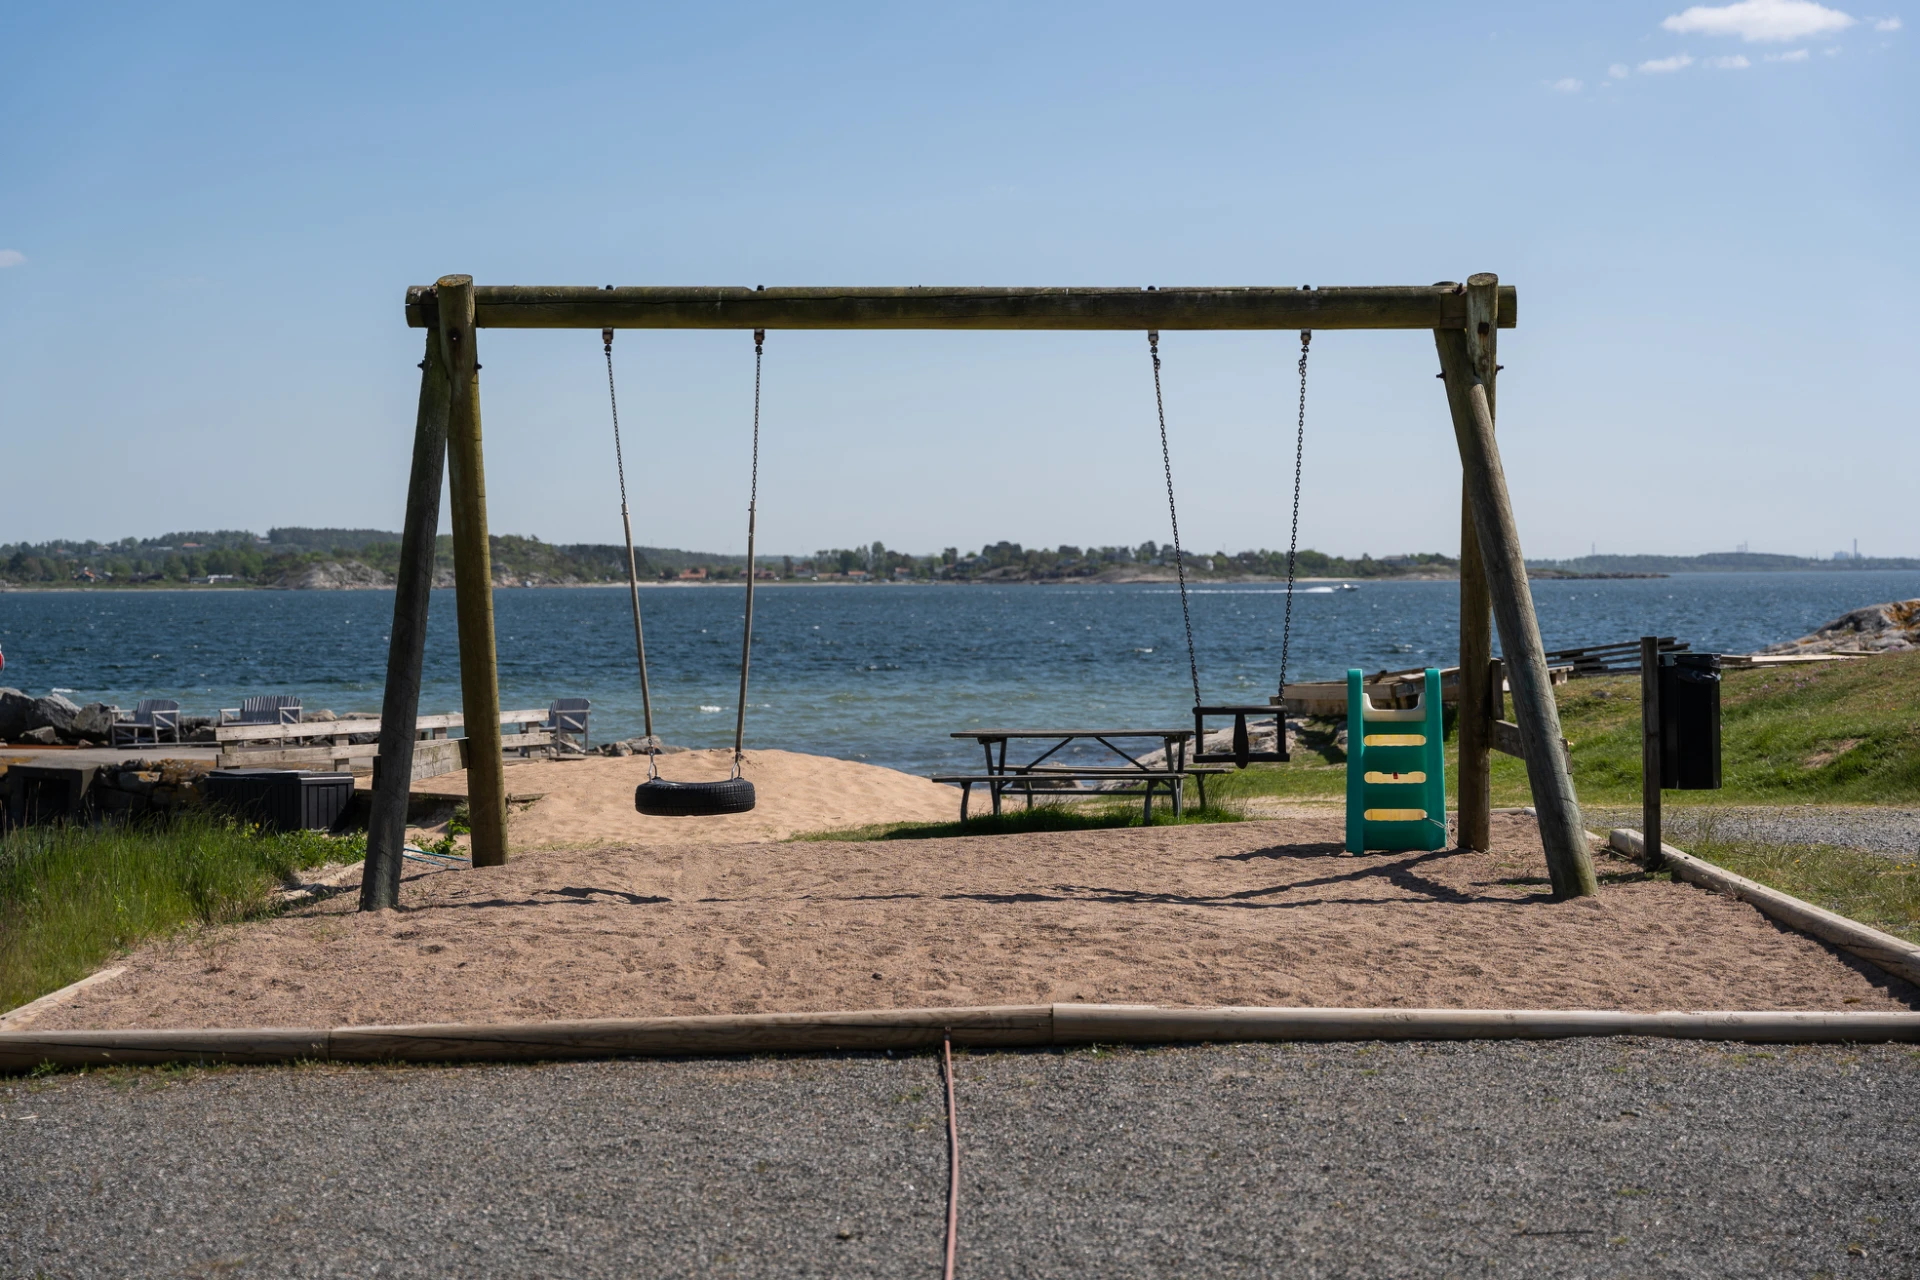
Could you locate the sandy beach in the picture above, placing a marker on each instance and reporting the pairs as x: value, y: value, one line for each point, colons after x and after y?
x: 588, y: 803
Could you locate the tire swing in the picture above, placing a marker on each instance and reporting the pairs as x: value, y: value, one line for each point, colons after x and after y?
x: 1241, y: 753
x: 660, y: 797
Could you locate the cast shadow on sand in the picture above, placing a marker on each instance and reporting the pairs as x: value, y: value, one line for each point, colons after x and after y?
x: 572, y: 896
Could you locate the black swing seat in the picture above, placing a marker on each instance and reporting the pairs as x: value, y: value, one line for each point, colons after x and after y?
x: 1242, y: 753
x: 659, y: 798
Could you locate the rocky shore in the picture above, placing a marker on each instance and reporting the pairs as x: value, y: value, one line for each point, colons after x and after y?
x: 56, y: 720
x: 1893, y: 627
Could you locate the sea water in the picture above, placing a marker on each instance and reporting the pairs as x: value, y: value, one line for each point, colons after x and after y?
x: 881, y: 673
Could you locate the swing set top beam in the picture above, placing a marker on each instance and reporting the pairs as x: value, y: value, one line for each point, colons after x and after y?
x: 1438, y: 306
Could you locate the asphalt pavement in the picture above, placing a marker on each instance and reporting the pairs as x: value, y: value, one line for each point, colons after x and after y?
x: 1570, y: 1158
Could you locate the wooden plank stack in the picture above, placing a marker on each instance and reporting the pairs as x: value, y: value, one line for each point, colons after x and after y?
x: 327, y: 744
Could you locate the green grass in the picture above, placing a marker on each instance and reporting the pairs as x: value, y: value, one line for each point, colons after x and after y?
x: 1836, y: 733
x: 1867, y: 887
x: 1079, y: 815
x: 73, y: 896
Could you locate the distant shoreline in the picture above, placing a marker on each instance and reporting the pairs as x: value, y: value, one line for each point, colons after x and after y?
x: 1134, y: 579
x: 1122, y: 578
x: 1168, y: 579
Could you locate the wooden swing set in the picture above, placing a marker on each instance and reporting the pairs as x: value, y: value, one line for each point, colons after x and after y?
x: 1465, y: 320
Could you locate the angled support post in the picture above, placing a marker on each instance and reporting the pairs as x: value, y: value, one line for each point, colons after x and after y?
x: 407, y: 645
x: 473, y: 575
x: 1562, y: 830
x: 1475, y: 775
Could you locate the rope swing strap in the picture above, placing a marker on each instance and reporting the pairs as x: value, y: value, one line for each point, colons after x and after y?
x: 1173, y: 514
x: 753, y: 502
x: 633, y: 575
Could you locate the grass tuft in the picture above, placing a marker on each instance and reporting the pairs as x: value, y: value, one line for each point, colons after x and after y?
x: 73, y: 896
x: 1868, y: 887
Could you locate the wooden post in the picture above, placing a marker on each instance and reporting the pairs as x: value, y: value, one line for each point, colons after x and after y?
x: 1650, y: 764
x: 1475, y: 785
x: 473, y: 576
x: 407, y: 645
x: 1562, y: 831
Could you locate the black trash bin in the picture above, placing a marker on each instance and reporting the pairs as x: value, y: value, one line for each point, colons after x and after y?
x: 282, y: 799
x: 1690, y: 721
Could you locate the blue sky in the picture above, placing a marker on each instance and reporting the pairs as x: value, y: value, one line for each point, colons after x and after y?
x: 209, y: 214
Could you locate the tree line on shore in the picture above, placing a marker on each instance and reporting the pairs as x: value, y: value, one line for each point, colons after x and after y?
x: 288, y: 556
x: 1009, y: 561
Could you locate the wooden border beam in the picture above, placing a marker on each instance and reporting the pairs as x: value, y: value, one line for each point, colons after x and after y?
x: 871, y: 1030
x: 652, y: 307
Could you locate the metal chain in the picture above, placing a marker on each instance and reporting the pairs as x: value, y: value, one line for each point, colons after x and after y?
x: 753, y: 503
x: 633, y: 581
x: 1173, y: 515
x: 613, y: 400
x: 1293, y: 538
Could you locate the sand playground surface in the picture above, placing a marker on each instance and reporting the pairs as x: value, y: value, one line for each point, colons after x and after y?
x: 584, y: 804
x: 713, y: 916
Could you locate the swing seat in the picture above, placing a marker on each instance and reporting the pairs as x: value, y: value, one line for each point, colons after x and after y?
x: 1242, y: 753
x: 659, y: 798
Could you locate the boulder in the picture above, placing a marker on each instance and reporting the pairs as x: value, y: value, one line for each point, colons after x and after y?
x: 95, y: 720
x: 44, y: 736
x: 1893, y: 627
x: 336, y: 575
x: 15, y: 707
x: 139, y: 782
x: 636, y: 747
x: 55, y: 711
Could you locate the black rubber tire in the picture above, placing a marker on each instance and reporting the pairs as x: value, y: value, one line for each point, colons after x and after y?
x: 658, y: 798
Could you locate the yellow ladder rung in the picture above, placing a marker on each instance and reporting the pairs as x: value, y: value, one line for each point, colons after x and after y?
x: 1395, y: 815
x: 1373, y: 715
x: 1396, y: 779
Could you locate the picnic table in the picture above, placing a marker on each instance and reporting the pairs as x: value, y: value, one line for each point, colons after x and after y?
x: 1049, y: 775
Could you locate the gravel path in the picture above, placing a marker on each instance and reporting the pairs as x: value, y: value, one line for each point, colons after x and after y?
x: 1555, y: 1159
x: 1894, y: 833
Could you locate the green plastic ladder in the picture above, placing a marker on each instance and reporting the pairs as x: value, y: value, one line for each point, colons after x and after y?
x: 1396, y: 771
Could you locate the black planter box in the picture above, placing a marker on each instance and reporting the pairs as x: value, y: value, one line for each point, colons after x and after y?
x: 282, y: 799
x: 46, y: 793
